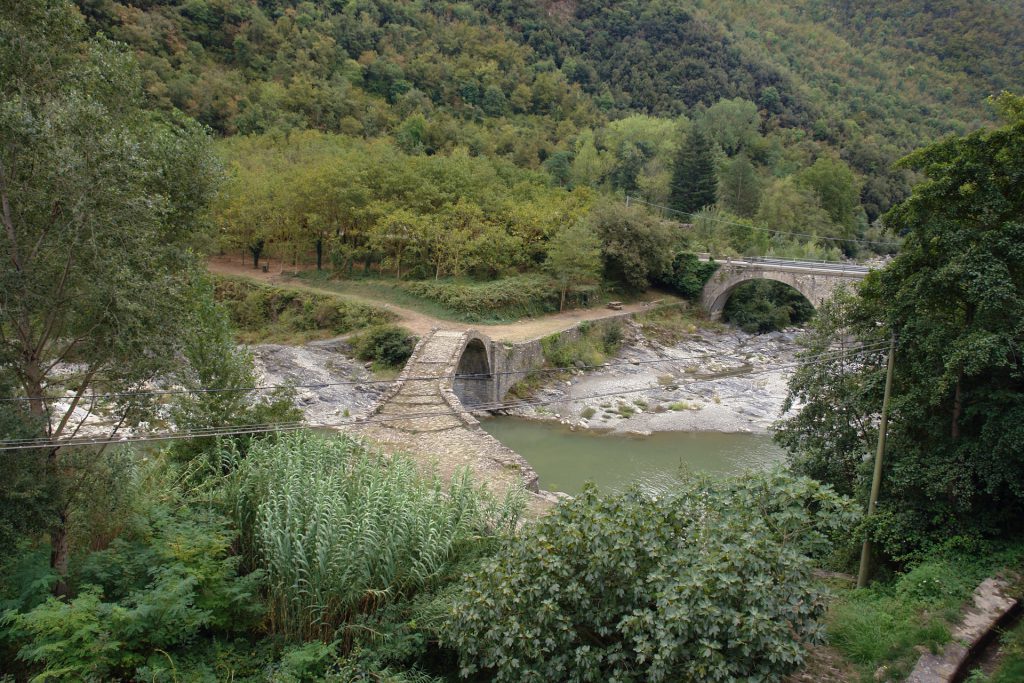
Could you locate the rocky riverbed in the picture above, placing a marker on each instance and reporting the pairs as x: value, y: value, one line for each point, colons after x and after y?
x: 349, y: 387
x: 724, y: 381
x: 721, y: 380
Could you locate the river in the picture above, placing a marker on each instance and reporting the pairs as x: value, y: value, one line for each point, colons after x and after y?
x: 565, y: 459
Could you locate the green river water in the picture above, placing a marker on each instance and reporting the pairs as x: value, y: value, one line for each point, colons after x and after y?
x: 566, y: 459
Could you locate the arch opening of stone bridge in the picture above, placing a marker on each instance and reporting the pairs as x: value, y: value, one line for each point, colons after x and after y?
x: 473, y: 383
x: 716, y: 307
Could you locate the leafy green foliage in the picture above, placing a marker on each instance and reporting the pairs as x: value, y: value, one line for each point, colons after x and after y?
x: 765, y: 305
x: 548, y: 85
x: 103, y: 202
x: 101, y: 198
x: 511, y: 297
x: 218, y: 375
x: 26, y: 494
x: 265, y: 312
x: 888, y: 623
x: 711, y: 582
x: 831, y: 434
x: 954, y: 296
x: 155, y: 592
x: 637, y: 247
x: 594, y: 344
x: 343, y: 530
x: 388, y: 346
x: 574, y: 258
x: 688, y: 275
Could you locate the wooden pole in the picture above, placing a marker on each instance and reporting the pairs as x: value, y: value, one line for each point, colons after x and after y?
x: 876, y: 480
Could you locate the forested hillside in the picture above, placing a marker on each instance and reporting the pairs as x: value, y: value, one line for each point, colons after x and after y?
x: 550, y: 106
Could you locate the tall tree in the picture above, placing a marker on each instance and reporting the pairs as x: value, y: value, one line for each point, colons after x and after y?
x: 694, y: 181
x: 574, y: 258
x: 739, y: 186
x: 101, y: 201
x: 637, y: 248
x: 955, y: 298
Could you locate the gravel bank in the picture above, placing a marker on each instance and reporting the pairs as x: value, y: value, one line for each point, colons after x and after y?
x: 712, y: 381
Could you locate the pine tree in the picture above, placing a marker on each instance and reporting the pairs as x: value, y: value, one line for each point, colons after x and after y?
x: 694, y: 182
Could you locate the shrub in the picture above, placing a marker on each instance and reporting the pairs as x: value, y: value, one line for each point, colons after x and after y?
x: 510, y: 297
x: 388, y: 346
x: 688, y: 275
x: 592, y: 347
x: 155, y: 594
x: 669, y: 324
x: 271, y: 312
x: 342, y: 530
x: 711, y: 582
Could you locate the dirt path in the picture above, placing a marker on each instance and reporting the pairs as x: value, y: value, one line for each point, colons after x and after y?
x: 421, y: 323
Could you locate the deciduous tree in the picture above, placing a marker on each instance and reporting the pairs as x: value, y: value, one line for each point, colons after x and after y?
x: 574, y: 258
x: 101, y: 201
x: 954, y: 296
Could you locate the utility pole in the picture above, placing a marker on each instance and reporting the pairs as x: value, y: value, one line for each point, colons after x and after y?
x: 876, y: 480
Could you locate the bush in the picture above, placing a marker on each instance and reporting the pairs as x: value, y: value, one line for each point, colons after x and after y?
x: 388, y: 346
x: 510, y: 297
x: 688, y: 275
x: 157, y: 593
x: 595, y: 343
x: 711, y: 583
x: 274, y: 312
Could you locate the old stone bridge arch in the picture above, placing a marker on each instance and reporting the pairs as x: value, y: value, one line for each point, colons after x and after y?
x: 473, y: 381
x: 814, y: 283
x: 426, y: 412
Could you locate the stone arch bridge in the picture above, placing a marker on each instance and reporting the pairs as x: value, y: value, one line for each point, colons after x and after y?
x: 816, y: 280
x: 427, y: 412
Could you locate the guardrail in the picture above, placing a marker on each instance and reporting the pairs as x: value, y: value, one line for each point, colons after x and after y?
x: 838, y: 266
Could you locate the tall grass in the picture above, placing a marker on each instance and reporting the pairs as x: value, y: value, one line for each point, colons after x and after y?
x: 342, y: 530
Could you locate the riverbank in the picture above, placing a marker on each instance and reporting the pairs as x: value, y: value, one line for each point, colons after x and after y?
x: 713, y: 380
x: 348, y: 388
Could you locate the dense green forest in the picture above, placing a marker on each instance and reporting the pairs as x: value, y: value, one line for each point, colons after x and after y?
x: 481, y: 154
x: 806, y: 105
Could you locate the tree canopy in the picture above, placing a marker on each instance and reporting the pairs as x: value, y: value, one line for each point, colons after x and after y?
x: 954, y: 297
x: 102, y: 201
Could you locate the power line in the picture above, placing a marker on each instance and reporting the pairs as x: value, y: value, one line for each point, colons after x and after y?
x: 242, y: 430
x: 325, y: 385
x: 821, y: 357
x: 630, y: 199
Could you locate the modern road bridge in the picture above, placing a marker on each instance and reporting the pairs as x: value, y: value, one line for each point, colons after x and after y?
x: 816, y: 280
